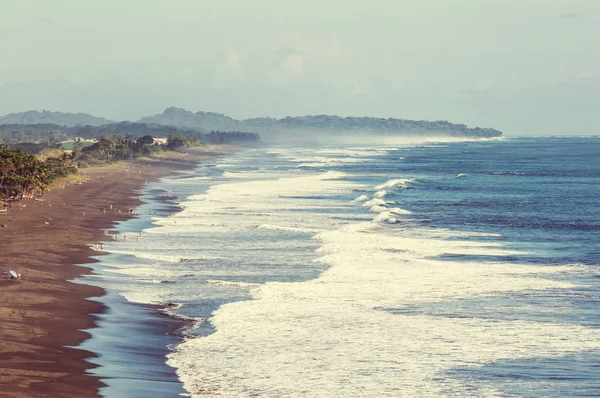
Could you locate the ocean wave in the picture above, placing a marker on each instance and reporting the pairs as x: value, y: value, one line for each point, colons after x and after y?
x: 361, y: 198
x: 287, y: 229
x: 231, y: 283
x: 403, y: 183
x: 387, y: 218
x: 373, y: 202
x: 392, y: 210
x: 370, y: 272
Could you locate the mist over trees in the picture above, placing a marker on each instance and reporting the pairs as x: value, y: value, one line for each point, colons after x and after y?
x: 324, y: 124
x: 31, y: 155
x: 53, y: 134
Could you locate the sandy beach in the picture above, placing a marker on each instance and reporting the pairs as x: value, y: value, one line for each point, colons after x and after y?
x: 44, y: 239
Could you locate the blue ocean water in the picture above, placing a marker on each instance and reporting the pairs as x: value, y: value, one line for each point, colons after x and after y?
x: 432, y: 268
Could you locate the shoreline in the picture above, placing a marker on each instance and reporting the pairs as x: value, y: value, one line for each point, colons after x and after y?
x: 44, y: 315
x: 133, y: 367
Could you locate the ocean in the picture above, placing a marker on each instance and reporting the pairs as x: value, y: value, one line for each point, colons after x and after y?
x: 437, y: 267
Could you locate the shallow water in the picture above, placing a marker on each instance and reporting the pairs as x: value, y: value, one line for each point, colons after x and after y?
x: 432, y: 269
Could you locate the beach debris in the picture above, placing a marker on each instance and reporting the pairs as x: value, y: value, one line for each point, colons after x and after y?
x: 46, y: 222
x: 11, y: 274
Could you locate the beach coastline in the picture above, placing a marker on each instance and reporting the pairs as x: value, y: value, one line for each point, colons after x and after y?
x: 48, y: 240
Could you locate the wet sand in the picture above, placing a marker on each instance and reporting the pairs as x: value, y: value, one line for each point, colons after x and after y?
x: 42, y: 315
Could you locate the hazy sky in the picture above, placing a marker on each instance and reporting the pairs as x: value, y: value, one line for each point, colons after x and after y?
x: 522, y: 66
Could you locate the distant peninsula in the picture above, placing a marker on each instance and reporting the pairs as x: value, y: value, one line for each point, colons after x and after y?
x: 266, y: 127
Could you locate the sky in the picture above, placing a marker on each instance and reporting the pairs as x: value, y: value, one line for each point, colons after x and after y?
x: 526, y: 67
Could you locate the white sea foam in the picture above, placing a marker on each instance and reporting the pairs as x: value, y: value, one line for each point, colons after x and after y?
x: 338, y: 335
x: 373, y: 202
x: 391, y: 210
x: 387, y: 218
x: 378, y: 209
x: 231, y: 283
x: 289, y: 229
x: 361, y: 198
x: 401, y: 182
x: 333, y: 337
x: 245, y: 204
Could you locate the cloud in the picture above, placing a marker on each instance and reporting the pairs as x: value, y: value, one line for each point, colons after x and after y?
x: 293, y: 64
x: 232, y: 60
x: 584, y: 76
x: 485, y: 83
x: 287, y: 51
x: 571, y: 15
x: 228, y: 67
x: 44, y: 21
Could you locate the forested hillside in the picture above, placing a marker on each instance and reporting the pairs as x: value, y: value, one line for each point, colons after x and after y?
x: 324, y: 124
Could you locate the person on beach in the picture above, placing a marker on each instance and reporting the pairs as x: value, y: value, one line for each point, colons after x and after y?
x: 124, y: 237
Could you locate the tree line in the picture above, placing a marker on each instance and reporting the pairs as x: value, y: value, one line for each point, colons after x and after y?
x: 23, y: 175
x: 53, y: 134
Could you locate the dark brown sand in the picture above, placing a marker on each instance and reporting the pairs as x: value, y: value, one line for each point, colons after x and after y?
x: 43, y: 312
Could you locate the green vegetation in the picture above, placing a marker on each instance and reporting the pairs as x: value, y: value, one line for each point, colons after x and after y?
x: 79, y: 136
x: 222, y: 137
x: 178, y: 141
x: 34, y: 155
x: 114, y: 148
x: 21, y: 175
x: 19, y: 133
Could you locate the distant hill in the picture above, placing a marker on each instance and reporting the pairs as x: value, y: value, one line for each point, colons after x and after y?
x: 58, y: 118
x: 207, y: 121
x: 270, y: 127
